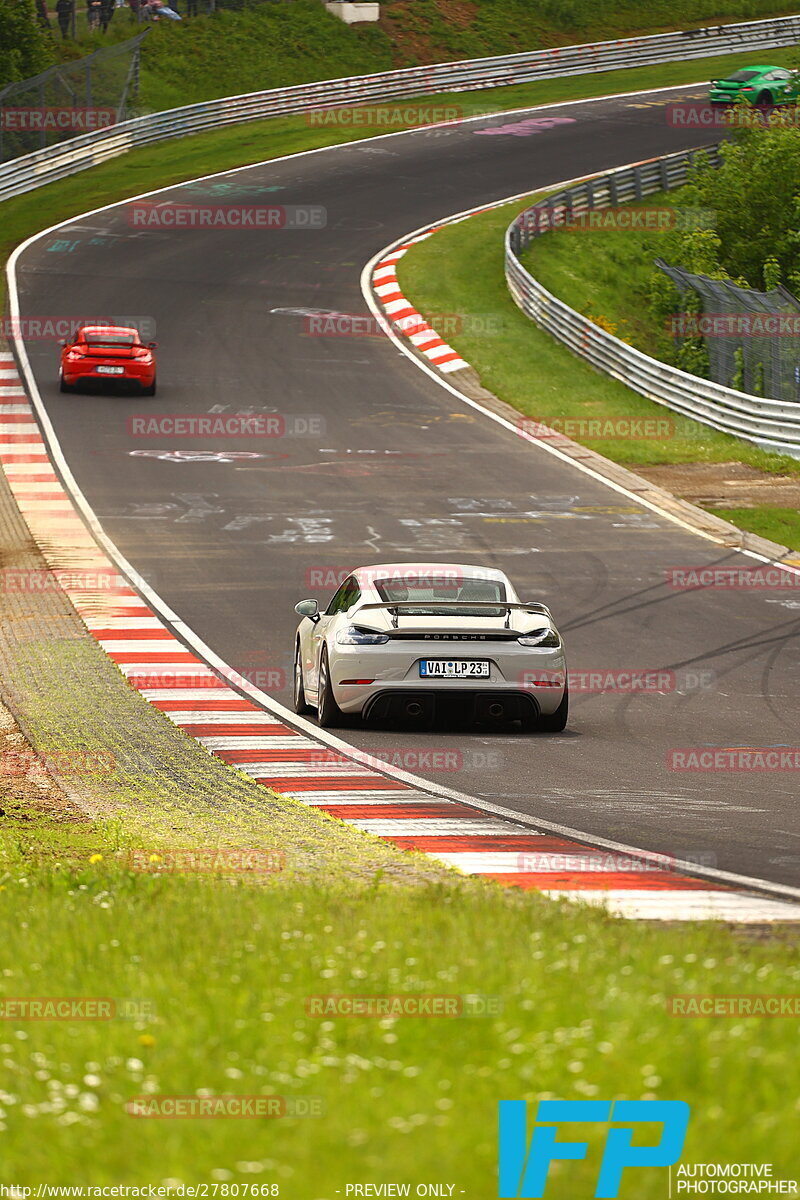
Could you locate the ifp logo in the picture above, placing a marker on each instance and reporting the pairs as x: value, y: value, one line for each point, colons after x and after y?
x: 524, y: 1168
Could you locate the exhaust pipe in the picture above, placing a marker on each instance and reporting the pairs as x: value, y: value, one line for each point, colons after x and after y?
x: 414, y: 709
x: 496, y: 710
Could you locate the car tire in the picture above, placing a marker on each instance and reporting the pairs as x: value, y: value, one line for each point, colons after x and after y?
x: 150, y: 391
x: 301, y: 705
x: 329, y: 715
x: 764, y: 100
x: 64, y: 387
x: 557, y: 721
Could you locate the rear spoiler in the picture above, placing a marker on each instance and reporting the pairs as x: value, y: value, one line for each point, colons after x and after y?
x: 431, y: 607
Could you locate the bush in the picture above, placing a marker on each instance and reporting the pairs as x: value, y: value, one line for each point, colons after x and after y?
x: 24, y: 45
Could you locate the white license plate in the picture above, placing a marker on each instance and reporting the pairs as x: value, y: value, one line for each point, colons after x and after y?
x: 455, y: 668
x: 110, y: 370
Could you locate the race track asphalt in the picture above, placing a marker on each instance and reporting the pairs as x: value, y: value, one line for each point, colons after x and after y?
x: 403, y: 471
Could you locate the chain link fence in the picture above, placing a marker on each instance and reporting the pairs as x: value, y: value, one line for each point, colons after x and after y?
x: 69, y: 99
x: 752, y: 338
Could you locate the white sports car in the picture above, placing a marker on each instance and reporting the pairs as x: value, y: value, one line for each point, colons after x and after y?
x: 401, y: 640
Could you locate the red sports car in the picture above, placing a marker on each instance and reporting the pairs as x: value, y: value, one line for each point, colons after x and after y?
x: 103, y: 354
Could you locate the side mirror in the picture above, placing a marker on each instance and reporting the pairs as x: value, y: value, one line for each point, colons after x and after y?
x: 152, y: 345
x: 63, y: 342
x: 308, y: 608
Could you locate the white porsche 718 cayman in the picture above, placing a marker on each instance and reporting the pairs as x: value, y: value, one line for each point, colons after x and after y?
x: 403, y: 640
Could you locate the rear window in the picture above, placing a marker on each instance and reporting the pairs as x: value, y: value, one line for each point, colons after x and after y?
x: 111, y: 339
x: 430, y: 588
x: 741, y: 76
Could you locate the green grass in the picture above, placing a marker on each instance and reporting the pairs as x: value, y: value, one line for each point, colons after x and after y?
x: 271, y: 45
x: 780, y: 525
x: 460, y: 270
x: 619, y: 264
x: 221, y: 972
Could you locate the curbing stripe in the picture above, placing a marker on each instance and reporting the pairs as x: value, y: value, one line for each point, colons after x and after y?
x: 399, y: 311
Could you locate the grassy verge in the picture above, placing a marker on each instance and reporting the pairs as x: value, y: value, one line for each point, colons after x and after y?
x: 781, y: 525
x: 211, y: 979
x: 619, y: 264
x: 460, y: 270
x: 273, y: 45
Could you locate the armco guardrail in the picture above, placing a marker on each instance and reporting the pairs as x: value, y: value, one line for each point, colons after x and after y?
x: 87, y: 150
x: 773, y: 424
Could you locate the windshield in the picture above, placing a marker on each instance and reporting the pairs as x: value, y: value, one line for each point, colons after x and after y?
x: 459, y: 589
x: 741, y: 76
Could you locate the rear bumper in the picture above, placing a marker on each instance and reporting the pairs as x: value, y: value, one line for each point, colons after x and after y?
x: 487, y: 705
x: 537, y: 675
x: 142, y: 377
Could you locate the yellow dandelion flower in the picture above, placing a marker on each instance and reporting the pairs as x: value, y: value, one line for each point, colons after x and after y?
x: 147, y: 1039
x: 96, y: 858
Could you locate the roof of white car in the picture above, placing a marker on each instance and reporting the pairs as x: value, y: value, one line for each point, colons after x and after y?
x: 408, y: 570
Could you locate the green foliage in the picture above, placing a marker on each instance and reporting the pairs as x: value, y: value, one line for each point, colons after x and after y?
x: 737, y: 379
x: 24, y: 46
x: 755, y: 195
x: 772, y: 273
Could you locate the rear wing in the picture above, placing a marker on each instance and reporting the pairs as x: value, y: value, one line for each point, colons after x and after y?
x: 426, y: 608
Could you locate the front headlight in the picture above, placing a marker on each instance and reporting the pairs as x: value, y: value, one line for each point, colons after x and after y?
x: 352, y: 635
x: 540, y: 637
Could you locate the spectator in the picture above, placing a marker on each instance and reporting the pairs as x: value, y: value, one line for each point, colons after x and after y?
x: 42, y: 15
x: 65, y: 13
x: 93, y: 14
x: 106, y: 13
x: 159, y: 9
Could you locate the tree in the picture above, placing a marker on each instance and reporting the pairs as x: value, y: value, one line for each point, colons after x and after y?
x: 24, y: 47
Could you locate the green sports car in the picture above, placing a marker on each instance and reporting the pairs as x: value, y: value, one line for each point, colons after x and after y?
x: 757, y: 85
